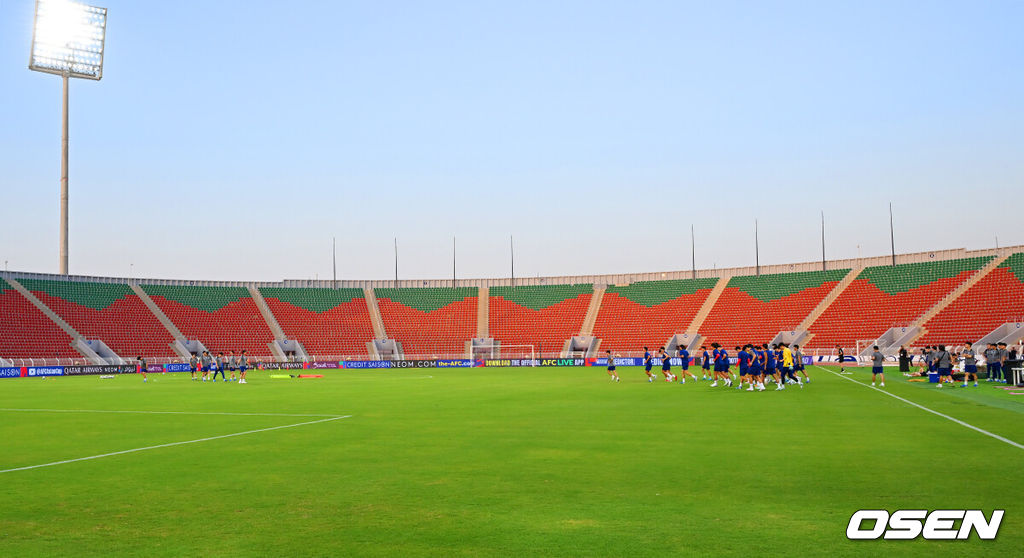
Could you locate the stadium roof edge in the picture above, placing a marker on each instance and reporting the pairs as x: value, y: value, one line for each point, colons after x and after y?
x: 597, y: 280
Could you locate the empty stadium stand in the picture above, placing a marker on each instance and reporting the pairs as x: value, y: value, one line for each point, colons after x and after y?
x: 27, y: 332
x: 544, y: 316
x: 327, y: 322
x: 648, y: 313
x: 110, y: 312
x: 888, y: 296
x: 754, y: 308
x: 994, y: 300
x: 431, y: 320
x: 952, y: 296
x: 222, y: 318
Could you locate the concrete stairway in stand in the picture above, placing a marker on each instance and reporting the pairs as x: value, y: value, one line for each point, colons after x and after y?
x: 78, y: 341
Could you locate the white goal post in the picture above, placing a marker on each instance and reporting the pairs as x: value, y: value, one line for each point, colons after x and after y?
x: 862, y: 346
x: 503, y: 351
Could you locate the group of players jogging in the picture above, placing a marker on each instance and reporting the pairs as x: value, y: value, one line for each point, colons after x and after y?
x: 206, y: 363
x: 757, y: 365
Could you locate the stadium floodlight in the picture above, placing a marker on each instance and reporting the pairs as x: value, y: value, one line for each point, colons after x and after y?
x: 67, y: 40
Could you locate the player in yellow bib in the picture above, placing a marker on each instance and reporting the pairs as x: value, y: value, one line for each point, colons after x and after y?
x: 788, y: 374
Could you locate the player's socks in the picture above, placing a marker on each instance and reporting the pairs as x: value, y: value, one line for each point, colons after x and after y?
x: 882, y: 384
x: 714, y: 383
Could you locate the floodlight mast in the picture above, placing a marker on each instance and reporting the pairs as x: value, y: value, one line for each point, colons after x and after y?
x: 68, y: 40
x: 64, y: 182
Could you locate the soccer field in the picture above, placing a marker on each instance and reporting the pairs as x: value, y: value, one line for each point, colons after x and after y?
x: 495, y: 462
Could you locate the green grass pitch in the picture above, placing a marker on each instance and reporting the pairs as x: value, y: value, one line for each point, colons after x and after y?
x: 496, y: 462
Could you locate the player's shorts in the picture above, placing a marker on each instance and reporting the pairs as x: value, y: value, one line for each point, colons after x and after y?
x: 192, y: 368
x: 970, y: 368
x: 686, y: 364
x: 611, y: 368
x: 706, y: 366
x: 242, y: 369
x: 206, y: 369
x: 232, y: 368
x: 876, y: 370
x: 743, y: 372
x: 666, y: 368
x: 944, y: 372
x: 648, y: 367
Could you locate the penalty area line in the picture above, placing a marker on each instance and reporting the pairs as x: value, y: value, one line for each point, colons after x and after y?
x: 122, y: 452
x: 923, y: 408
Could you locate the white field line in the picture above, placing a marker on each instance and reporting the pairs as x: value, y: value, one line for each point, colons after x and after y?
x: 163, y: 413
x: 172, y: 444
x: 923, y: 408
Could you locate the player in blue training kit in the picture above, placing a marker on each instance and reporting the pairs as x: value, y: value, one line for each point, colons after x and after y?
x: 666, y: 366
x: 723, y: 356
x: 757, y: 366
x: 648, y: 364
x: 716, y: 355
x: 705, y: 362
x: 743, y: 363
x: 684, y: 357
x: 769, y: 363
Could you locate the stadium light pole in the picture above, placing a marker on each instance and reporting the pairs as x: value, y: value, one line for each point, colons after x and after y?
x: 453, y: 261
x: 512, y: 258
x: 396, y: 262
x: 823, y: 240
x: 892, y: 237
x: 334, y: 260
x: 757, y: 252
x: 693, y: 253
x: 67, y: 40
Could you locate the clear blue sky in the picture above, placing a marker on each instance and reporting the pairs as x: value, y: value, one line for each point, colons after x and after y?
x: 232, y: 140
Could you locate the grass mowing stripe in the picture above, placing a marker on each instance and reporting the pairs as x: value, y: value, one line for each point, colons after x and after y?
x: 169, y: 413
x: 172, y: 444
x: 922, y: 407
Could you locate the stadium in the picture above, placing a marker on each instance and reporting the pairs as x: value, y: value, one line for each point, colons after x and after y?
x: 924, y: 299
x: 211, y: 405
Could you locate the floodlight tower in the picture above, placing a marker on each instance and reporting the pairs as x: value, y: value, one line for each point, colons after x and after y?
x: 67, y: 40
